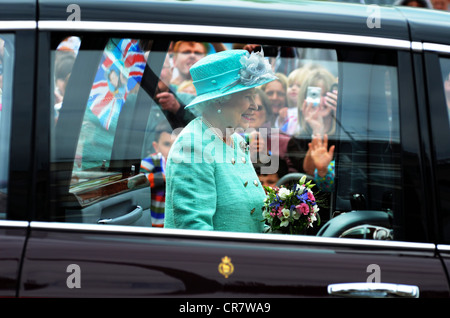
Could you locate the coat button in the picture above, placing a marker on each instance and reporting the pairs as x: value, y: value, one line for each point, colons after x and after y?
x: 255, y: 183
x: 243, y: 160
x: 233, y: 161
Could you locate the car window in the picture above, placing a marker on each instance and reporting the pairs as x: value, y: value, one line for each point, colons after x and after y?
x: 120, y: 106
x: 442, y: 105
x: 445, y: 68
x: 6, y: 82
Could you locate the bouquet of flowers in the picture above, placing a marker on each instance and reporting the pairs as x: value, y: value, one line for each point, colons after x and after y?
x: 291, y: 211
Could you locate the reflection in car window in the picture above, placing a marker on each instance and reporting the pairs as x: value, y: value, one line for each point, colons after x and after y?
x: 6, y: 81
x: 443, y: 149
x: 134, y: 111
x: 445, y: 67
x: 119, y: 73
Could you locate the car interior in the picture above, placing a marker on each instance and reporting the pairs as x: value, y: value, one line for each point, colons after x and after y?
x: 6, y: 84
x: 105, y: 123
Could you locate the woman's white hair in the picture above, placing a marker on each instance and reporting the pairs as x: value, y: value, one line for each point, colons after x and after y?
x: 201, y: 107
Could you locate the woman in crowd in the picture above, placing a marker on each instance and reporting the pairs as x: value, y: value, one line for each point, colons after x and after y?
x: 312, y: 151
x: 210, y: 180
x: 276, y: 91
x: 288, y: 119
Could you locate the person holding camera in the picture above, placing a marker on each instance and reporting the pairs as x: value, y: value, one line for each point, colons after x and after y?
x: 312, y: 150
x: 319, y: 119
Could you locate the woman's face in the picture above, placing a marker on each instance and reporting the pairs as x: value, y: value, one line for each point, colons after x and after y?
x: 259, y: 115
x: 292, y: 93
x: 447, y: 86
x: 277, y: 95
x: 166, y: 75
x: 447, y: 91
x: 239, y: 109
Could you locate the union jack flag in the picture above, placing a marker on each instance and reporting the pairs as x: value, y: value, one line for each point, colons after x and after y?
x: 109, y: 91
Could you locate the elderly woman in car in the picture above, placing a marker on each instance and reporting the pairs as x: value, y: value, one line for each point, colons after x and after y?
x: 210, y: 180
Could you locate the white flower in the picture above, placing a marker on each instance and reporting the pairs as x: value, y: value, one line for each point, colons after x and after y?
x: 286, y: 213
x: 315, y: 208
x: 283, y: 193
x: 266, y: 215
x: 312, y: 219
x: 255, y: 69
x: 302, y: 180
x: 301, y: 189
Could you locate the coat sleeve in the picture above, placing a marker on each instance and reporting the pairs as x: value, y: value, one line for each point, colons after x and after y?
x: 190, y: 187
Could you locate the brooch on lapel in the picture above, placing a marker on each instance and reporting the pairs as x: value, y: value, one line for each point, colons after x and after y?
x: 244, y: 146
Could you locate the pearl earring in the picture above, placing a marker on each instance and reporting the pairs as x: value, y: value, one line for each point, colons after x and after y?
x: 219, y: 111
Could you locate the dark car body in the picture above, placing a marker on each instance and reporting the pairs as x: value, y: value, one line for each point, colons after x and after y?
x: 45, y: 255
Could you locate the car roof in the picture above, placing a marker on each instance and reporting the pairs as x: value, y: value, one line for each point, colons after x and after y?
x: 316, y: 16
x: 20, y: 10
x: 405, y: 23
x: 428, y: 25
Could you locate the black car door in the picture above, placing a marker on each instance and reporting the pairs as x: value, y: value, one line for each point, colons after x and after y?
x: 373, y: 239
x: 17, y: 69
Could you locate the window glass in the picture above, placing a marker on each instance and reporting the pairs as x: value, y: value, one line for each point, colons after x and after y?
x: 6, y: 82
x: 445, y: 67
x: 443, y: 151
x: 124, y: 109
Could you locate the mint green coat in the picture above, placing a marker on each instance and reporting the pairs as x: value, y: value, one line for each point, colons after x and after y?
x: 211, y: 186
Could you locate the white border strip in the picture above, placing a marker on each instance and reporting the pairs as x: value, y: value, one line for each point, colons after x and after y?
x: 443, y: 248
x: 442, y: 48
x: 198, y: 234
x: 222, y: 30
x: 18, y: 25
x: 8, y: 223
x: 416, y: 46
x: 225, y: 31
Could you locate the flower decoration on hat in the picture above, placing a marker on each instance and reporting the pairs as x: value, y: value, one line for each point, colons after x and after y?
x: 228, y: 72
x: 254, y: 71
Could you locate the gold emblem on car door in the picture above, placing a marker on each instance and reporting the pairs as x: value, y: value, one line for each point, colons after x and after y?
x: 226, y: 268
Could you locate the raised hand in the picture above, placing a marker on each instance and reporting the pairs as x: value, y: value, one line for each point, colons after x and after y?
x: 320, y: 154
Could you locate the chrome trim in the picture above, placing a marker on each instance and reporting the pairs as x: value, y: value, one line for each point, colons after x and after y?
x: 416, y: 46
x: 443, y: 247
x: 11, y: 223
x: 434, y: 47
x: 223, y: 30
x: 373, y: 290
x: 260, y: 237
x: 18, y: 25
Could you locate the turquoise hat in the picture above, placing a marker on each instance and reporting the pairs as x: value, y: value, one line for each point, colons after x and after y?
x: 229, y: 72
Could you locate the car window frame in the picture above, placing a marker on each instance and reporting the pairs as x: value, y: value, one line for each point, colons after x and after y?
x: 326, y: 41
x: 22, y: 180
x: 439, y: 123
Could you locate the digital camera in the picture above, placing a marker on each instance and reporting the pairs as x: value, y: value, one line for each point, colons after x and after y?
x: 313, y: 95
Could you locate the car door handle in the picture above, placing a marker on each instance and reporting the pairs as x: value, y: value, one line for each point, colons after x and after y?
x: 126, y: 219
x: 375, y: 290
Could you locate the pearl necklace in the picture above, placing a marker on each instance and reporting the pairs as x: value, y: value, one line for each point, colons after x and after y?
x: 215, y: 133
